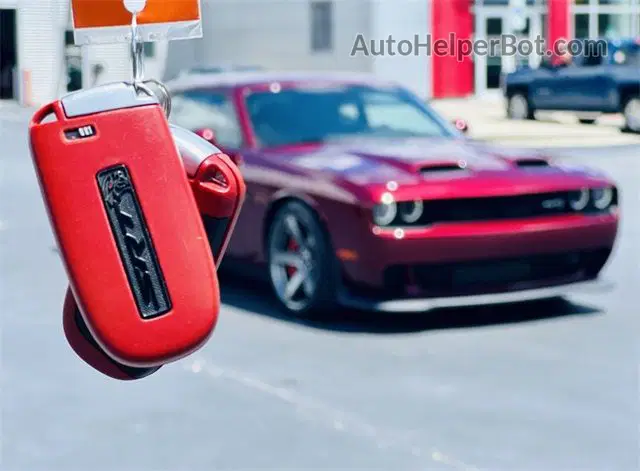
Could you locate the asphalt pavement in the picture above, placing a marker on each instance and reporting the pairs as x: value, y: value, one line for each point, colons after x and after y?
x: 539, y: 387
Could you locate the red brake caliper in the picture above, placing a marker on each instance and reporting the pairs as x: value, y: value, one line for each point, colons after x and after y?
x: 292, y: 246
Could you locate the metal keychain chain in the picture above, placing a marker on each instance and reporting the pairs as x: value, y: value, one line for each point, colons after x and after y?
x: 139, y: 83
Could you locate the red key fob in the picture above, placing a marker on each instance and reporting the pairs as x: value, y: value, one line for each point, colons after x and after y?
x: 127, y: 224
x: 220, y: 191
x: 85, y: 346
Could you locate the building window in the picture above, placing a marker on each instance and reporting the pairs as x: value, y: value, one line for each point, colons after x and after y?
x: 68, y: 38
x: 149, y: 50
x: 73, y: 62
x: 321, y: 26
x: 581, y: 25
x: 494, y: 26
x: 614, y: 26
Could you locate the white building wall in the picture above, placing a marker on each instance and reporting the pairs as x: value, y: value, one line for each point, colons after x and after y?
x: 40, y: 47
x: 403, y: 20
x: 275, y: 34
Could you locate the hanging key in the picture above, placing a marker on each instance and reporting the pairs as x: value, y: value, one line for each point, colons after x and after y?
x: 127, y: 224
x: 219, y: 190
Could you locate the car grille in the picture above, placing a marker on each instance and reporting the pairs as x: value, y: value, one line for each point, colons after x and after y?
x: 495, y: 208
x: 493, y: 275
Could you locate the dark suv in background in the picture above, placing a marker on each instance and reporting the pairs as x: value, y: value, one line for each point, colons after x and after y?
x: 605, y: 78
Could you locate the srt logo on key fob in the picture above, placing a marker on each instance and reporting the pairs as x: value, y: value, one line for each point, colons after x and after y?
x: 134, y: 242
x: 127, y: 224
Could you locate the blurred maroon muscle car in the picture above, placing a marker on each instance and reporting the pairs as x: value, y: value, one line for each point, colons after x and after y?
x: 359, y: 194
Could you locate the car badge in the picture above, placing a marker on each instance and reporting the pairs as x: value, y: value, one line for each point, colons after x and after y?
x: 554, y: 203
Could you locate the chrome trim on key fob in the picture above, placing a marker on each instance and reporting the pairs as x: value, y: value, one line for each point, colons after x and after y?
x: 192, y: 148
x: 112, y: 96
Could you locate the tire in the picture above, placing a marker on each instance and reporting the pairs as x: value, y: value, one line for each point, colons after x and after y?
x: 519, y: 108
x: 298, y: 247
x: 586, y: 121
x: 631, y: 113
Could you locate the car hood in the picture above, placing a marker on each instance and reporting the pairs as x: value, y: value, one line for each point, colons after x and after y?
x: 439, y: 162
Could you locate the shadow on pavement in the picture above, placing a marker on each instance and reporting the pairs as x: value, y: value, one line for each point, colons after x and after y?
x: 260, y: 301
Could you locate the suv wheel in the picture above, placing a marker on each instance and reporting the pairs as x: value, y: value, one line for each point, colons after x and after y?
x: 518, y: 107
x: 631, y: 114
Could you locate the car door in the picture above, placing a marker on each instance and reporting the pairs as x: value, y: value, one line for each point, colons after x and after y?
x: 214, y: 109
x: 589, y: 84
x: 546, y: 91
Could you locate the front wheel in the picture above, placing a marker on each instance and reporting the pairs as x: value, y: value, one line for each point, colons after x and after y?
x: 302, y: 267
x: 518, y: 107
x: 631, y: 114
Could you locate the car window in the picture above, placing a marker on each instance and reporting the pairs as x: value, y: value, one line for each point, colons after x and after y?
x: 386, y: 111
x: 592, y: 54
x: 317, y: 114
x: 199, y: 109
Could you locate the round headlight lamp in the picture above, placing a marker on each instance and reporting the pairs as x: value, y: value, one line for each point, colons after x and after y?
x: 384, y: 213
x: 578, y: 200
x: 602, y: 197
x: 410, y: 211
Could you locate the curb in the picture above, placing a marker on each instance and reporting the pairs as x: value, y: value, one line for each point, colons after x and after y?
x: 575, y: 145
x: 580, y: 138
x: 615, y: 147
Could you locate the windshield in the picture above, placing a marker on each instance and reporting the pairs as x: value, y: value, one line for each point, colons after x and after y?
x: 305, y: 115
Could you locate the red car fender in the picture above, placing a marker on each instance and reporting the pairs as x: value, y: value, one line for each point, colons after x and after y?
x: 341, y: 236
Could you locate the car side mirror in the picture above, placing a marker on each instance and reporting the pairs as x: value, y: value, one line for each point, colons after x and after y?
x: 461, y: 125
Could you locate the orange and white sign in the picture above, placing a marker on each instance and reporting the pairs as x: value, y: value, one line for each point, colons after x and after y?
x: 109, y: 21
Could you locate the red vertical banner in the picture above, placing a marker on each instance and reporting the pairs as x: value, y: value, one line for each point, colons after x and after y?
x: 559, y: 21
x: 451, y: 66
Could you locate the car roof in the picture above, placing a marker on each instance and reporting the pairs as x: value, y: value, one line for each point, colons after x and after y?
x: 248, y: 78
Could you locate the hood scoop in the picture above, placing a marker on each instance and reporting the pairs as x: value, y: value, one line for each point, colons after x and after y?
x: 531, y: 163
x: 442, y: 168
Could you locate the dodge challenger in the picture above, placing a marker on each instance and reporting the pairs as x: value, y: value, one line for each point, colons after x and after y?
x: 360, y: 194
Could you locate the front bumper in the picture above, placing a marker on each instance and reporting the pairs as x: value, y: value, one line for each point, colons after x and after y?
x: 428, y: 304
x: 383, y: 258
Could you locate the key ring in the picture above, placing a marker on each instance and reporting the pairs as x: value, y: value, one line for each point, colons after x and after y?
x: 138, y: 70
x: 165, y: 96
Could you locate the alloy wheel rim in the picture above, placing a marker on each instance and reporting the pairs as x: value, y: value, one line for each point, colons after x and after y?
x: 293, y: 262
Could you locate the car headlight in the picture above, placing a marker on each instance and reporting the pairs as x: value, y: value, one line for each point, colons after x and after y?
x: 384, y: 213
x: 410, y: 211
x: 578, y: 200
x: 602, y: 197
